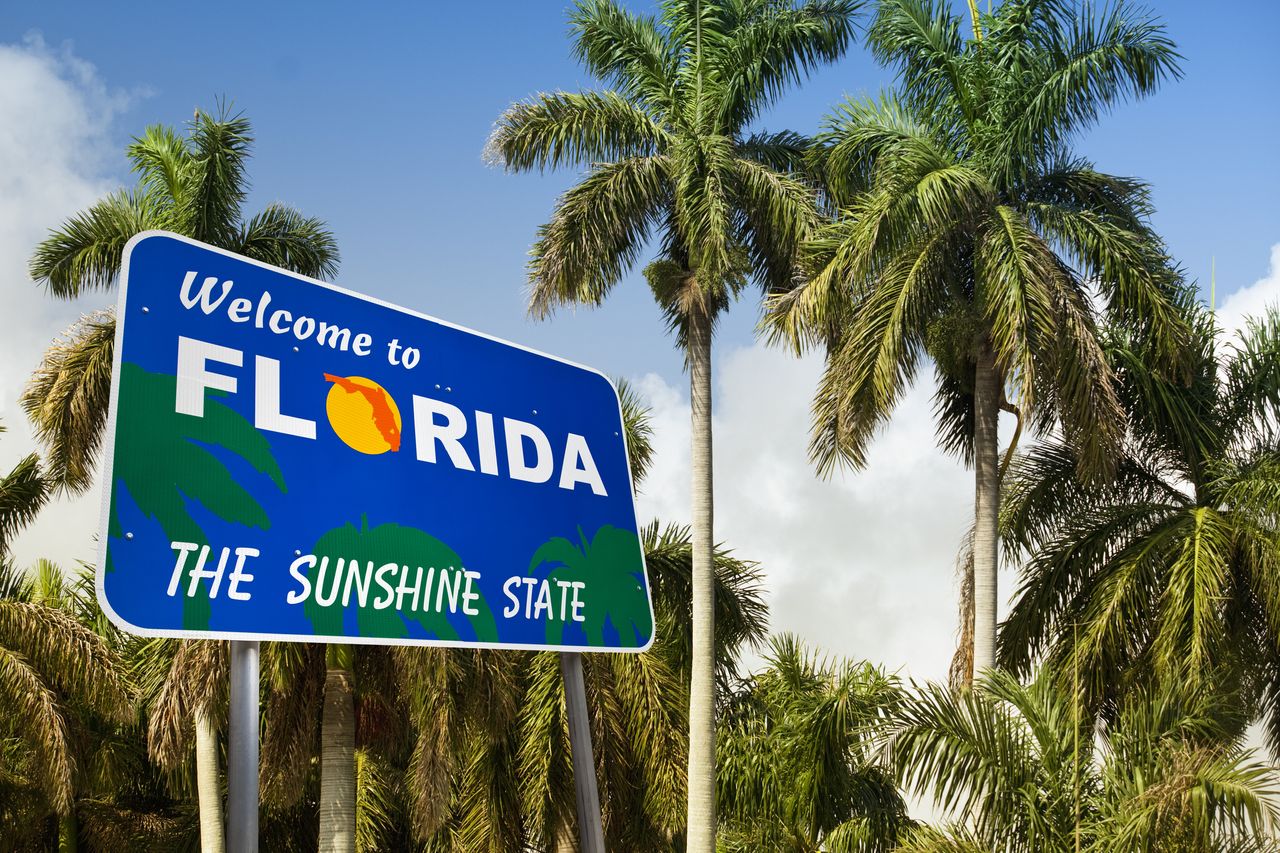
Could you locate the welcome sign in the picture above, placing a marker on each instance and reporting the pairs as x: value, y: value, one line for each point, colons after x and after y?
x: 287, y: 460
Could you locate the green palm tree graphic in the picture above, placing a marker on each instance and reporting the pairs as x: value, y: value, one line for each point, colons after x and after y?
x: 612, y: 596
x: 389, y: 543
x: 163, y: 462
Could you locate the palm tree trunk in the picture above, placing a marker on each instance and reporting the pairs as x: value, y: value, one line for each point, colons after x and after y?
x: 702, y: 722
x: 986, y: 543
x: 338, y: 759
x: 209, y: 785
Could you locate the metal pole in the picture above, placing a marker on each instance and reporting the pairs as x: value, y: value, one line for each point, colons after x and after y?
x: 242, y: 749
x: 590, y: 832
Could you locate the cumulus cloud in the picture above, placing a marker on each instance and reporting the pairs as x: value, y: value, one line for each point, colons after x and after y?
x: 862, y: 565
x: 1253, y: 299
x: 56, y: 113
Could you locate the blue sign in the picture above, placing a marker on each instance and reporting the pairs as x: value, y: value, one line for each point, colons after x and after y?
x: 287, y: 460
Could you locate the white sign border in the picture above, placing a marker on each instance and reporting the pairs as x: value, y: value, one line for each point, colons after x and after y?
x: 109, y: 454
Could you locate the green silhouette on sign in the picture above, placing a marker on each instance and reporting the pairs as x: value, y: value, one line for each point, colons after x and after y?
x: 381, y: 545
x: 163, y: 459
x: 611, y: 565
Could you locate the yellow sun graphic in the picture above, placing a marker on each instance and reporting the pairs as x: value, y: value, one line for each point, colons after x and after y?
x: 363, y: 414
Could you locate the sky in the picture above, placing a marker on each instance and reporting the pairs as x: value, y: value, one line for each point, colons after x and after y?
x: 374, y: 119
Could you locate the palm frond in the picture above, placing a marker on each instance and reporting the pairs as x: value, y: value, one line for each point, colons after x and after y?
x: 574, y: 129
x: 23, y: 491
x: 85, y: 253
x: 627, y: 51
x: 67, y: 400
x: 283, y: 237
x: 197, y: 683
x: 163, y: 163
x: 921, y: 40
x: 784, y: 151
x: 781, y: 212
x: 637, y: 422
x: 220, y: 148
x: 70, y: 656
x: 596, y: 233
x: 775, y: 46
x: 1104, y: 55
x: 34, y: 714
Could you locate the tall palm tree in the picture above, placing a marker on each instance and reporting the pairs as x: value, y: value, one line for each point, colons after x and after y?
x: 193, y: 185
x: 669, y: 155
x: 970, y: 233
x: 1170, y: 572
x: 1021, y: 769
x: 797, y: 766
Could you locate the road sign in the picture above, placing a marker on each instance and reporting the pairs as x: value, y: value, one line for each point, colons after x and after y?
x: 288, y: 460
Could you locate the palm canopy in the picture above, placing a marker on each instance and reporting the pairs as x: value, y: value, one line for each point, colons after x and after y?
x: 52, y: 667
x: 797, y: 766
x: 193, y: 185
x: 667, y: 148
x: 969, y: 232
x: 1021, y: 769
x: 1171, y: 571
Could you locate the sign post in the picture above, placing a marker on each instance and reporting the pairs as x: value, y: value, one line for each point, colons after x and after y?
x: 590, y: 832
x: 242, y: 749
x: 288, y: 460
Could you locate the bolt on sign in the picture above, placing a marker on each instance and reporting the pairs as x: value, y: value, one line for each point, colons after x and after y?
x: 288, y: 460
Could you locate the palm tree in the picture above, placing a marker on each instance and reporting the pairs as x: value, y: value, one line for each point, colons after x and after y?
x: 121, y: 801
x: 193, y: 185
x: 1022, y: 770
x: 53, y: 668
x: 970, y: 233
x: 797, y: 768
x: 1169, y: 573
x: 669, y: 156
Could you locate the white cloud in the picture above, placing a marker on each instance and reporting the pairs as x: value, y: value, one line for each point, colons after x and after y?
x: 863, y: 565
x: 55, y: 114
x: 1252, y: 300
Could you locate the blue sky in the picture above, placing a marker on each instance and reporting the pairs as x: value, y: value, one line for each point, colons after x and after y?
x: 373, y: 117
